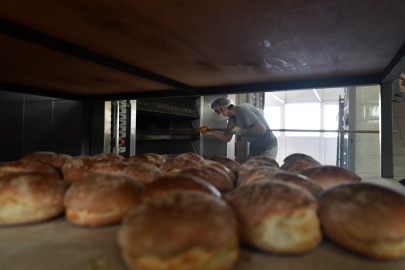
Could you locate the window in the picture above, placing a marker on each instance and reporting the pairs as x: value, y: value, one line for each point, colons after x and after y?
x: 302, y: 116
x: 330, y: 119
x: 272, y: 114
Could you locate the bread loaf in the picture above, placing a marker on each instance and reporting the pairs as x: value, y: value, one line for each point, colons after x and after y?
x: 180, y: 230
x: 27, y: 197
x: 151, y: 158
x: 178, y: 183
x: 211, y: 175
x: 28, y: 166
x: 327, y: 176
x: 104, y: 166
x: 75, y: 168
x: 255, y: 173
x: 365, y: 218
x: 218, y: 166
x: 264, y: 158
x: 276, y: 217
x: 232, y: 165
x: 37, y: 156
x: 250, y: 164
x: 56, y: 160
x: 297, y: 163
x: 175, y: 165
x: 144, y: 172
x: 101, y: 199
x: 109, y: 156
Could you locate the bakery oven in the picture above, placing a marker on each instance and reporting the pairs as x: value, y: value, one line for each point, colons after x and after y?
x: 164, y: 126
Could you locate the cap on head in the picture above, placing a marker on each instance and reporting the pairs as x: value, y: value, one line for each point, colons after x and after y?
x: 218, y: 103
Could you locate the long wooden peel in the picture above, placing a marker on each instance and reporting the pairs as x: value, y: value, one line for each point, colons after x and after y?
x: 284, y: 130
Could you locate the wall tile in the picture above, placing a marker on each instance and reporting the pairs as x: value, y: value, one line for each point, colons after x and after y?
x: 372, y: 111
x: 398, y: 142
x: 367, y: 146
x: 399, y: 172
x: 399, y: 161
x: 360, y: 112
x: 401, y: 126
x: 399, y: 151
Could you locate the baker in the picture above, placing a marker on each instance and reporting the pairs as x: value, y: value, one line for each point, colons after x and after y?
x: 244, y: 119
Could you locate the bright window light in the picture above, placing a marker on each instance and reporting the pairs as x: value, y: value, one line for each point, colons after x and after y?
x: 302, y: 116
x: 330, y: 119
x: 272, y: 114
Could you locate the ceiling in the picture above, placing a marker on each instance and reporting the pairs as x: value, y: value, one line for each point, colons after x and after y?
x: 108, y: 49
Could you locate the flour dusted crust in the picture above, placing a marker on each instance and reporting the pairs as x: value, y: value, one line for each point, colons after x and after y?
x: 255, y: 173
x: 270, y: 160
x: 327, y: 176
x: 178, y: 183
x: 101, y: 199
x: 151, y: 158
x: 276, y: 216
x: 209, y: 174
x: 108, y: 156
x: 294, y: 178
x: 73, y: 169
x: 144, y: 172
x: 365, y: 218
x: 56, y: 160
x: 297, y: 163
x: 27, y: 197
x: 37, y: 156
x: 232, y: 165
x: 175, y: 165
x: 200, y: 232
x: 250, y: 164
x: 28, y: 166
x: 104, y: 166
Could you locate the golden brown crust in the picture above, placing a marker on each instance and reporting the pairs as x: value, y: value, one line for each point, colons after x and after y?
x: 250, y: 164
x: 297, y: 163
x: 276, y: 216
x: 109, y: 156
x: 175, y: 165
x: 211, y: 175
x: 104, y: 166
x: 294, y: 178
x: 297, y: 156
x: 56, y: 160
x: 144, y: 172
x: 28, y: 166
x: 200, y: 232
x: 37, y: 156
x: 232, y: 165
x: 270, y: 160
x: 151, y: 158
x: 365, y: 218
x: 101, y: 199
x: 255, y: 173
x: 178, y: 183
x: 327, y: 176
x: 73, y: 169
x: 218, y: 166
x: 27, y: 197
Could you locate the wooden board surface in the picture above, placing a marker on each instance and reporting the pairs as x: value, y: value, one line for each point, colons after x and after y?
x: 212, y: 43
x: 59, y: 245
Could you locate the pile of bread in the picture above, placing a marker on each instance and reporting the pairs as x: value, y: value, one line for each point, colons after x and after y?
x: 192, y: 213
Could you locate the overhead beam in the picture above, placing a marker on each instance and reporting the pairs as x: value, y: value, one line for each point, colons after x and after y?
x: 317, y: 95
x: 396, y: 67
x: 30, y: 35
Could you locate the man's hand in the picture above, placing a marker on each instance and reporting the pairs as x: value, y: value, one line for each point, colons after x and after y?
x: 203, y: 130
x: 236, y: 130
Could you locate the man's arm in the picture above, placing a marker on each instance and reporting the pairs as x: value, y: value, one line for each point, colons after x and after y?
x: 256, y: 128
x: 222, y: 136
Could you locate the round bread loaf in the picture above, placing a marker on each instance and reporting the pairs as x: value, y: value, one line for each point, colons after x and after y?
x: 255, y: 173
x: 195, y: 157
x: 144, y: 172
x: 218, y: 166
x: 178, y: 183
x: 109, y: 156
x: 297, y: 163
x: 294, y: 178
x: 73, y: 169
x: 101, y: 199
x: 297, y: 156
x: 37, y: 156
x: 27, y: 197
x: 327, y: 176
x: 232, y: 165
x: 151, y: 158
x: 28, y: 166
x: 276, y: 216
x: 180, y: 230
x: 56, y: 160
x: 175, y: 165
x: 270, y: 160
x: 365, y: 218
x: 104, y: 166
x: 250, y: 164
x: 211, y: 175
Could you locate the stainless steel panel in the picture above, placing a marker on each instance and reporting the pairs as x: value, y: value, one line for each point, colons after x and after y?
x: 117, y: 126
x: 132, y: 138
x: 107, y: 127
x: 386, y: 140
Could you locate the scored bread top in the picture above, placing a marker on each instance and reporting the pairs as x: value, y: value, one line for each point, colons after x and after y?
x: 151, y: 158
x: 327, y: 176
x: 255, y: 173
x: 28, y: 166
x: 144, y: 172
x: 174, y: 222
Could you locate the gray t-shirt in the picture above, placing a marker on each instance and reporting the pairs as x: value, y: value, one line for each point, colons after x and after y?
x: 246, y: 115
